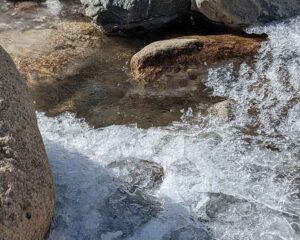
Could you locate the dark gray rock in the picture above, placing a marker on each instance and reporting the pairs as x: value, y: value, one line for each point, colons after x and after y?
x: 239, y: 13
x: 135, y: 16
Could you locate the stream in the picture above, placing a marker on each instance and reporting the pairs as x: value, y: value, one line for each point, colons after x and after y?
x: 189, y: 175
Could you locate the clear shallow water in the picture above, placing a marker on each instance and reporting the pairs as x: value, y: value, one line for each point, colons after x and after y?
x: 26, y: 15
x: 201, y: 178
x: 70, y: 66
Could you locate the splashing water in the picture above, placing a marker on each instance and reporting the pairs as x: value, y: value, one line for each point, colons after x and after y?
x: 201, y: 178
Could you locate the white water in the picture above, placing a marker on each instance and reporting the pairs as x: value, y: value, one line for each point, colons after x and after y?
x: 222, y: 180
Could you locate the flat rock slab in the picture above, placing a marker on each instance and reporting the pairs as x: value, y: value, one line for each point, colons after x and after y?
x: 26, y: 185
x: 178, y: 54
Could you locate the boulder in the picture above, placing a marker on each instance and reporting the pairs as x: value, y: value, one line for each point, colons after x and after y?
x: 196, y: 52
x: 239, y: 13
x: 135, y: 16
x: 26, y: 185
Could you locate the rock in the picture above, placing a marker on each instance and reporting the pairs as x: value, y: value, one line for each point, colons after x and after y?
x: 49, y: 59
x: 26, y: 185
x: 134, y: 16
x: 178, y: 54
x: 239, y: 13
x: 222, y: 110
x: 142, y: 175
x: 134, y: 203
x: 26, y: 6
x: 189, y: 233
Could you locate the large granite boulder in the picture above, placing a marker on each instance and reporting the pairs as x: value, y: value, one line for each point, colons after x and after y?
x: 135, y: 16
x: 239, y: 13
x: 192, y: 54
x: 26, y: 186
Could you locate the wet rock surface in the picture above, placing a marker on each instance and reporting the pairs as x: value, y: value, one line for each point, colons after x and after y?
x: 198, y: 52
x: 26, y: 185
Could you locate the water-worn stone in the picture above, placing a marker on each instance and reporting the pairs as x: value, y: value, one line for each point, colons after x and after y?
x: 26, y: 186
x: 238, y: 13
x: 135, y: 16
x: 178, y: 54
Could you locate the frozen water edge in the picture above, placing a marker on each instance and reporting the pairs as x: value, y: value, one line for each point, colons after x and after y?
x: 221, y: 181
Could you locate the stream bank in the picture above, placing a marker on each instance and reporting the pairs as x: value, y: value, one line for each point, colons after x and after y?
x: 169, y: 168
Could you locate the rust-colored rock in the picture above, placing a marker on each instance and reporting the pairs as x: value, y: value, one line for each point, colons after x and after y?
x: 179, y: 54
x: 26, y: 185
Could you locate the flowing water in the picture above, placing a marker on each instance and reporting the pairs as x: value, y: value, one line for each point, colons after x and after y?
x: 198, y: 178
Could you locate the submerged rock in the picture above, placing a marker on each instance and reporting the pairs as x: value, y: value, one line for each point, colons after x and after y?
x: 189, y: 233
x: 239, y: 13
x: 139, y: 174
x: 26, y: 186
x: 185, y: 53
x: 134, y: 203
x: 222, y: 110
x: 70, y: 66
x: 48, y: 58
x: 26, y: 6
x: 134, y: 16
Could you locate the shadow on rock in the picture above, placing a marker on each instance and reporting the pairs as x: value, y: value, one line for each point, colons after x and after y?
x: 115, y: 201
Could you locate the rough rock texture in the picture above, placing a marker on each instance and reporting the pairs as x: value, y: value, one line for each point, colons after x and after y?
x: 238, y: 13
x: 134, y: 16
x: 50, y: 59
x: 26, y: 186
x: 178, y: 54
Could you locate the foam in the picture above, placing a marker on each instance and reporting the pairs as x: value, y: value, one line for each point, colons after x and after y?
x: 221, y: 181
